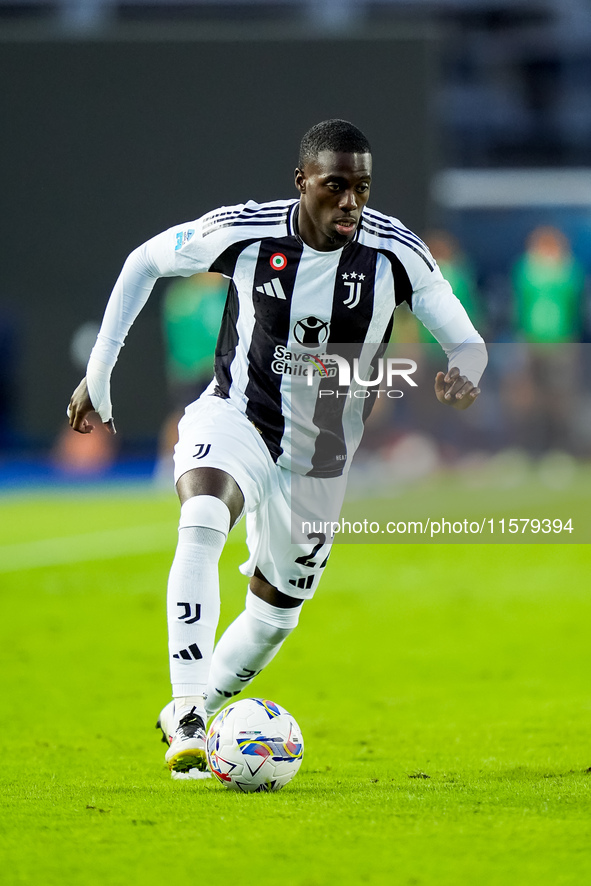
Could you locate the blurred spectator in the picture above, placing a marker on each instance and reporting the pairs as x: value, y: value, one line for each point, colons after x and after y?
x: 83, y: 456
x: 191, y: 317
x: 548, y: 286
x: 458, y: 271
x: 544, y: 398
x: 389, y: 419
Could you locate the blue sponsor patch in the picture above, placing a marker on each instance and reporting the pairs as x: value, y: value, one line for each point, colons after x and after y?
x: 183, y: 237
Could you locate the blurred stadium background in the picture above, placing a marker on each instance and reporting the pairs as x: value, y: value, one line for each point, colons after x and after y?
x: 122, y: 118
x: 119, y: 119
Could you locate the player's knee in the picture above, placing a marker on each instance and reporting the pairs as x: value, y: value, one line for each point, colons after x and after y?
x: 279, y: 622
x: 205, y: 512
x: 261, y: 588
x: 211, y: 482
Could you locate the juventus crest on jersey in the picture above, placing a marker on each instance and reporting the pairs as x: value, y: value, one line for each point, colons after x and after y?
x: 288, y: 302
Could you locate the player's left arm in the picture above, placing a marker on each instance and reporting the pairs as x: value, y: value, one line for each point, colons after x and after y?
x: 442, y: 313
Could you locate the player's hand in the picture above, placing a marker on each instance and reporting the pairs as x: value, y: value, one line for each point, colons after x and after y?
x: 81, y: 406
x: 454, y: 389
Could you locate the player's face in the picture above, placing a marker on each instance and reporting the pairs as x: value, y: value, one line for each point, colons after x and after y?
x: 334, y: 188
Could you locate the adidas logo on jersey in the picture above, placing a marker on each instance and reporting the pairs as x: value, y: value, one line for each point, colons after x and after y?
x: 272, y: 288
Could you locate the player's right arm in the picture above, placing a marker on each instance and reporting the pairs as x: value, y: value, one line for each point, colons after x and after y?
x: 79, y: 408
x: 180, y: 251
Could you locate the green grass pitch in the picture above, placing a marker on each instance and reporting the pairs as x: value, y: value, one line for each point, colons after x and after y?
x: 444, y: 694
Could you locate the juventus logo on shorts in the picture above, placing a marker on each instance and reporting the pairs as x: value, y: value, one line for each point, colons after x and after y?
x: 202, y: 450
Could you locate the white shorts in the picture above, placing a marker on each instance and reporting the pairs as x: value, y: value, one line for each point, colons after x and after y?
x: 288, y: 516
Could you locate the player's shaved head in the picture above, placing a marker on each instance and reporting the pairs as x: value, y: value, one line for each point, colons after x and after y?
x: 332, y: 135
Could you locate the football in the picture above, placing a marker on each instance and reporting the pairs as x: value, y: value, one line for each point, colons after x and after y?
x: 254, y: 745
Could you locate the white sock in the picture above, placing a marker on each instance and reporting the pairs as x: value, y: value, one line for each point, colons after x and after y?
x: 193, y: 600
x: 185, y: 704
x: 249, y: 644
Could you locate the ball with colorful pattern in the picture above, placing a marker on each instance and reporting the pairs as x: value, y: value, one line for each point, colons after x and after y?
x: 254, y: 745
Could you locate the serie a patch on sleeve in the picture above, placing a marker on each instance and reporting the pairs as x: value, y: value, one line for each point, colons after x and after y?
x: 183, y: 237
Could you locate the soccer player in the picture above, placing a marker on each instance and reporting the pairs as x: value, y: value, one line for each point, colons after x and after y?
x: 262, y: 440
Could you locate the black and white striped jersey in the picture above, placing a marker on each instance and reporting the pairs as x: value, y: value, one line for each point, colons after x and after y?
x: 287, y: 303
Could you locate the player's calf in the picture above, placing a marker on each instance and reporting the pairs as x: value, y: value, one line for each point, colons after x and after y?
x: 249, y: 644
